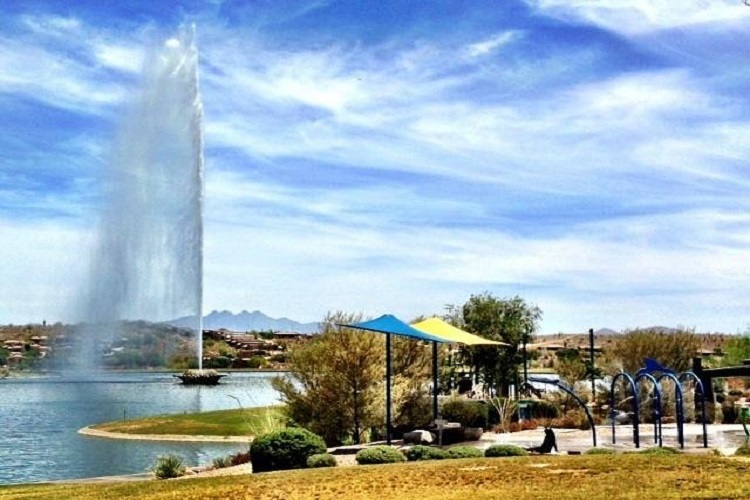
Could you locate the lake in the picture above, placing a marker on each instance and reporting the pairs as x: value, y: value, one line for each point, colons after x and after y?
x: 40, y: 417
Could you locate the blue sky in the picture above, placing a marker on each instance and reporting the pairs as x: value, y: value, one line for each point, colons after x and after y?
x: 397, y: 156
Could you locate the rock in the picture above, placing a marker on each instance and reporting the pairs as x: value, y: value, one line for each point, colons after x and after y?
x: 418, y: 437
x: 473, y: 433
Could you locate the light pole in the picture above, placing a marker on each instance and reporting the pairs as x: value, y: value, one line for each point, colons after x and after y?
x: 591, y: 365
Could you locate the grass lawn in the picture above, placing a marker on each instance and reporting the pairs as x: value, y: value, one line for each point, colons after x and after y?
x: 213, y: 423
x: 626, y: 476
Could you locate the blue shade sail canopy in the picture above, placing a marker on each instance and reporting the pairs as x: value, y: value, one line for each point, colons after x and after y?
x: 388, y: 323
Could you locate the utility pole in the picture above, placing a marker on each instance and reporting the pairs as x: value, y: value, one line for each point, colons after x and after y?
x: 592, y: 373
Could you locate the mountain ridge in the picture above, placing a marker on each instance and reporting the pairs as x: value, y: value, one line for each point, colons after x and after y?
x: 245, y: 321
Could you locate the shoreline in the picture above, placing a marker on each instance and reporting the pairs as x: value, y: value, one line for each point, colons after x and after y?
x: 91, y: 432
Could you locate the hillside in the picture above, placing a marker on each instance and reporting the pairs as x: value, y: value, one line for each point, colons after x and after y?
x: 245, y: 322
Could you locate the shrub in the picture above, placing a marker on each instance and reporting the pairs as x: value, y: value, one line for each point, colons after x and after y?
x: 221, y: 462
x: 573, y: 419
x: 466, y: 412
x: 321, y: 460
x: 599, y: 451
x: 744, y: 450
x: 522, y: 425
x: 543, y: 409
x: 379, y: 455
x: 464, y: 452
x: 285, y: 449
x: 169, y: 466
x: 420, y: 452
x: 505, y: 450
x: 239, y: 458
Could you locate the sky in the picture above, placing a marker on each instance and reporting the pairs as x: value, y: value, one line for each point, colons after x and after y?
x: 391, y: 156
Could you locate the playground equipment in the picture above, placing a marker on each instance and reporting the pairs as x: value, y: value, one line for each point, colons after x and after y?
x: 527, y: 386
x: 647, y: 373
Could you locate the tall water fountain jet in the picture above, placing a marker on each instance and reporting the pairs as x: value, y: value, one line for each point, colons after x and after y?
x: 149, y: 260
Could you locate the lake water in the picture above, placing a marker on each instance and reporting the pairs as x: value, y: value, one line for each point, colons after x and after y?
x: 39, y: 420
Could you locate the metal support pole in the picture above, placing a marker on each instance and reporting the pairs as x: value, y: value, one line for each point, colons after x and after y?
x: 434, y: 380
x: 388, y: 427
x: 525, y: 369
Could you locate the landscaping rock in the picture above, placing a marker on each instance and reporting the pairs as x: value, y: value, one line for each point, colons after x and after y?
x: 418, y: 437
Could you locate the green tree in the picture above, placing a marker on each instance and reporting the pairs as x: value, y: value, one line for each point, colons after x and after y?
x: 736, y: 350
x: 512, y: 321
x: 570, y: 366
x: 673, y: 350
x: 335, y: 385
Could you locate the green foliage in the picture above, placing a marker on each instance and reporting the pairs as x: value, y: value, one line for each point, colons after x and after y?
x: 285, y: 449
x: 168, y: 467
x: 466, y: 412
x: 464, y: 452
x: 379, y: 455
x: 599, y: 451
x: 321, y: 460
x: 736, y: 350
x: 543, y: 409
x: 221, y: 462
x: 335, y: 383
x: 512, y: 321
x: 504, y: 450
x: 672, y: 350
x: 279, y: 357
x: 570, y: 366
x: 744, y: 450
x: 218, y: 362
x: 419, y: 452
x: 256, y: 362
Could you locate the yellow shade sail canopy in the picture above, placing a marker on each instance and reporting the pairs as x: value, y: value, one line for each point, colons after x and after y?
x: 439, y: 328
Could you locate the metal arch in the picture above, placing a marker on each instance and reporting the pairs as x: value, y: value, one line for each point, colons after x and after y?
x: 657, y: 405
x: 678, y: 406
x: 569, y: 391
x: 636, y: 436
x: 698, y: 385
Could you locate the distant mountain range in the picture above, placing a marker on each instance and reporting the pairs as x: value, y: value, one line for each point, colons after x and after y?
x: 246, y: 321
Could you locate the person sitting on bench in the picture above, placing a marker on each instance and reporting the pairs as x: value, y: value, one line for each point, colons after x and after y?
x: 547, y: 445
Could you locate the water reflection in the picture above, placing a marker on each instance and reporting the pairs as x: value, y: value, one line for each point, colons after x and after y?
x: 40, y: 420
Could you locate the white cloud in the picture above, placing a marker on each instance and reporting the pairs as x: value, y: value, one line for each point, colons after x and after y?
x: 659, y: 147
x: 490, y: 44
x: 47, y: 269
x: 643, y: 16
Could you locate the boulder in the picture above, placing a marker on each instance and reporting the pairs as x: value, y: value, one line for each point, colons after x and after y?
x: 473, y: 433
x: 418, y: 437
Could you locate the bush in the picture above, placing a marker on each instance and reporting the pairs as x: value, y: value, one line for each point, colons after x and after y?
x: 420, y: 452
x: 505, y: 450
x: 321, y: 460
x: 599, y: 451
x: 466, y: 412
x: 221, y: 462
x: 523, y: 425
x: 285, y: 449
x: 573, y: 419
x: 168, y: 467
x: 543, y: 409
x: 464, y: 452
x: 239, y: 458
x: 379, y: 455
x: 744, y: 450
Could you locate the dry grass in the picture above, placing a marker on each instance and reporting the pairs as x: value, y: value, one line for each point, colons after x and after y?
x: 591, y: 477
